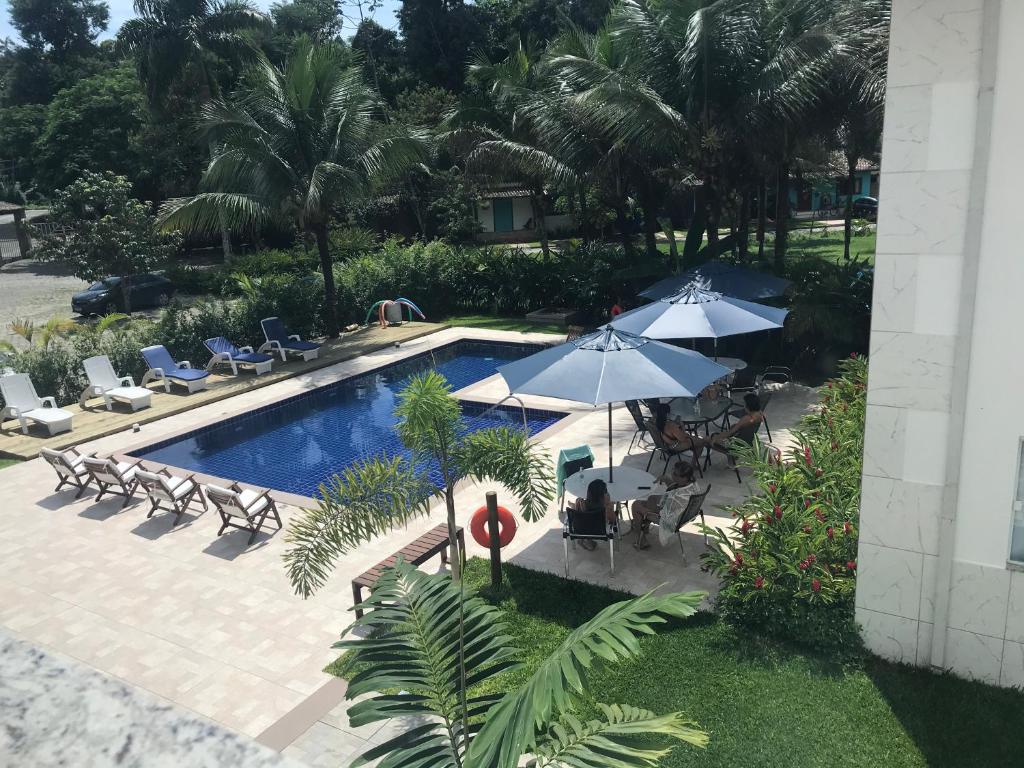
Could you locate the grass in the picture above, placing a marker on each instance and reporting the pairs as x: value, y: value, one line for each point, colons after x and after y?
x: 504, y: 324
x: 8, y: 463
x: 828, y: 247
x: 765, y: 704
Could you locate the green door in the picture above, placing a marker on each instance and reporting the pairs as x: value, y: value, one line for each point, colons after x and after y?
x: 502, y: 214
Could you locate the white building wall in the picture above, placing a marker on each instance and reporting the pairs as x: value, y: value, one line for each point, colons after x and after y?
x: 942, y: 431
x: 522, y: 212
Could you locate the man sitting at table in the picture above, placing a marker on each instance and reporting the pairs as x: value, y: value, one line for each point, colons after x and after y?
x: 744, y: 429
x: 675, y: 437
x: 665, y: 510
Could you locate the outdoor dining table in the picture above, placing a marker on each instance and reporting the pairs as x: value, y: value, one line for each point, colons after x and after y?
x: 732, y: 363
x: 697, y: 412
x: 630, y: 483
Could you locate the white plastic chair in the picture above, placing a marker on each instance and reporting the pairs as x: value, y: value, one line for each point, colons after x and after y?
x: 22, y: 403
x: 169, y: 493
x: 103, y: 382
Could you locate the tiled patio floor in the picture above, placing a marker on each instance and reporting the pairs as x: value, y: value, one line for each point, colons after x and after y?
x: 214, y: 626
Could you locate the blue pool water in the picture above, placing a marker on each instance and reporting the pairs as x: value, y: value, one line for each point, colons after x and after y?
x: 299, y: 443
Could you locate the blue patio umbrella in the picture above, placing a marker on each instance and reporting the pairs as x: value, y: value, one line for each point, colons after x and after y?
x: 723, y: 277
x: 611, y: 366
x: 698, y: 313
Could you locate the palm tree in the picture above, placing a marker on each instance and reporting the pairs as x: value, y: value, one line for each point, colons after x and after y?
x: 291, y: 145
x: 177, y: 42
x: 378, y: 495
x: 431, y: 647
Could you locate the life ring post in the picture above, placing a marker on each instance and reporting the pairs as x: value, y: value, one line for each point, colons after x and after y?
x: 494, y: 531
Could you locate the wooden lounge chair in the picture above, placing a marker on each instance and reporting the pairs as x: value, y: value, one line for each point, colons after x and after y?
x: 22, y: 403
x: 114, y: 477
x: 70, y: 468
x: 237, y: 503
x: 284, y: 343
x: 103, y: 382
x: 162, y: 367
x: 169, y: 493
x: 226, y: 353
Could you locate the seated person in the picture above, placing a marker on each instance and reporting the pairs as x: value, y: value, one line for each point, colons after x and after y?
x: 744, y: 429
x: 675, y: 437
x: 664, y: 510
x: 597, y: 503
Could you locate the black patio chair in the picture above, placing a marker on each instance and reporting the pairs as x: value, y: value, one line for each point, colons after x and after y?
x: 587, y: 526
x: 669, y: 452
x: 747, y: 435
x: 571, y: 468
x: 633, y: 406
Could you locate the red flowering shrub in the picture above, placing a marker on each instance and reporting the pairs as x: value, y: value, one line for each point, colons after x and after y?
x: 788, y: 565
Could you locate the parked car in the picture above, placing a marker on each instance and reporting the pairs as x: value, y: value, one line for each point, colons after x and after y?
x: 104, y: 296
x: 866, y: 208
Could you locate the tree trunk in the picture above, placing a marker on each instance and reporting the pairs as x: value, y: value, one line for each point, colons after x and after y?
x: 712, y: 217
x: 537, y: 202
x: 762, y: 215
x: 620, y: 224
x: 225, y: 233
x: 327, y: 268
x: 126, y: 293
x: 695, y: 233
x: 851, y: 171
x: 584, y: 215
x: 455, y: 557
x: 781, y: 215
x: 650, y: 208
x: 743, y: 227
x: 673, y: 248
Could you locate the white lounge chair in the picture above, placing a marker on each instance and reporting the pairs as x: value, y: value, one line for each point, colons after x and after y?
x: 237, y: 503
x: 169, y: 493
x: 70, y: 468
x: 103, y: 382
x: 116, y: 477
x: 22, y: 403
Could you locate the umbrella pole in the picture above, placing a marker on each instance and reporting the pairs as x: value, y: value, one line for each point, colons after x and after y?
x: 716, y: 349
x: 610, y: 477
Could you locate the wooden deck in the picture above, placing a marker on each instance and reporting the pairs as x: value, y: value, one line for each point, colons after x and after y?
x: 95, y: 421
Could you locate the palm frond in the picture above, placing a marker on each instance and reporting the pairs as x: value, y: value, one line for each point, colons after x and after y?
x: 364, y: 501
x: 619, y: 740
x: 511, y: 727
x: 413, y: 621
x: 208, y: 211
x: 508, y: 456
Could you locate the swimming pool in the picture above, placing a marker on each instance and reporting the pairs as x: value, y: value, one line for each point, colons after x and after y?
x: 296, y: 444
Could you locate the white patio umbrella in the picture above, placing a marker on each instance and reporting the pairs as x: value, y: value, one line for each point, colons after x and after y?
x: 698, y: 313
x: 611, y: 366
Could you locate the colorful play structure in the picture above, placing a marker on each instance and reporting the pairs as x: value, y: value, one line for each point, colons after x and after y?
x: 381, y: 308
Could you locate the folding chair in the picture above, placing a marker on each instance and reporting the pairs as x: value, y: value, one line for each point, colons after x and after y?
x: 114, y: 477
x: 587, y: 526
x: 70, y: 468
x: 237, y: 503
x: 169, y: 493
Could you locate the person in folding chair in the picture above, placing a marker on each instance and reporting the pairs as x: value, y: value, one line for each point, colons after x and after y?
x: 666, y: 509
x: 745, y: 428
x: 589, y: 511
x: 677, y: 439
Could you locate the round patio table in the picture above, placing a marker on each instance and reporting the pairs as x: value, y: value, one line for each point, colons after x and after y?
x: 732, y: 363
x: 630, y: 483
x: 685, y: 410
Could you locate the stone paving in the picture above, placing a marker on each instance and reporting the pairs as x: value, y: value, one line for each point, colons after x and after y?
x: 214, y: 626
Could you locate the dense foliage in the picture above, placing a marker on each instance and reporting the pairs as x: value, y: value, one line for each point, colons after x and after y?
x: 789, y: 562
x: 104, y: 231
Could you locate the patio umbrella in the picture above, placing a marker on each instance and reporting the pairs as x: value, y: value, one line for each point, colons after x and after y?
x: 729, y: 279
x: 610, y: 366
x: 698, y: 313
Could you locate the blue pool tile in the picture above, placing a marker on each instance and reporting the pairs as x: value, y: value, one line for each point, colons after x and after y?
x: 297, y: 444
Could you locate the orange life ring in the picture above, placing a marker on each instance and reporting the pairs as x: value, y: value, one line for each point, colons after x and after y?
x: 478, y: 527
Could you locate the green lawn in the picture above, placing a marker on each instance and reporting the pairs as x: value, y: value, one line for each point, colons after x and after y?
x: 829, y: 247
x: 7, y: 463
x: 504, y: 324
x: 768, y: 705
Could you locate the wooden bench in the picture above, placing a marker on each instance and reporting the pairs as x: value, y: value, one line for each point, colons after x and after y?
x: 433, y: 542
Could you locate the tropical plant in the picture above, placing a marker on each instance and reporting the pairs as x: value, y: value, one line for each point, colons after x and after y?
x: 788, y: 564
x: 377, y: 495
x: 437, y: 655
x: 43, y: 335
x: 102, y: 230
x: 177, y: 44
x: 291, y: 146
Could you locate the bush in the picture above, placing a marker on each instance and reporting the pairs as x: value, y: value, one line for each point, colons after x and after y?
x: 789, y: 562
